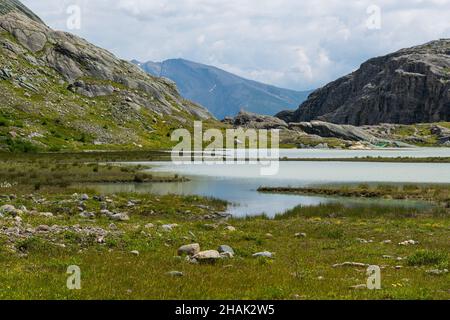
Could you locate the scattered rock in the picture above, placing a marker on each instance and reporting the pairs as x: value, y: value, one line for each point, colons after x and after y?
x: 190, y: 249
x: 226, y: 252
x: 106, y: 212
x: 8, y: 209
x: 351, y: 264
x: 120, y: 217
x: 437, y: 272
x: 230, y: 228
x: 175, y: 274
x: 169, y: 227
x: 87, y: 215
x: 409, y: 243
x: 191, y: 260
x: 264, y: 254
x: 149, y: 226
x: 112, y: 226
x: 43, y: 228
x: 300, y: 235
x: 134, y: 252
x: 46, y: 214
x: 359, y: 287
x: 210, y: 226
x: 84, y: 197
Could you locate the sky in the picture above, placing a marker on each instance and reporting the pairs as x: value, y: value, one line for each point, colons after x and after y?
x: 289, y: 43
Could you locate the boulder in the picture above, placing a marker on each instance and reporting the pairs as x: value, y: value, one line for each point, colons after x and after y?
x: 207, y: 256
x: 190, y: 249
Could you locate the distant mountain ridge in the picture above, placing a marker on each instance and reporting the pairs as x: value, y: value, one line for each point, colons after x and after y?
x: 223, y: 93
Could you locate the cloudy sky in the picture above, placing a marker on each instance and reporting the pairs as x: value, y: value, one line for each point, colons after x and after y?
x: 290, y: 43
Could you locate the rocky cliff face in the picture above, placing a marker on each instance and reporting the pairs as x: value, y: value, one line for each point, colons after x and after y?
x: 409, y: 86
x: 60, y: 90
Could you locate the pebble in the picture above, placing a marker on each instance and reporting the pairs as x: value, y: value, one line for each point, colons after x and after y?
x: 300, y: 235
x: 134, y: 252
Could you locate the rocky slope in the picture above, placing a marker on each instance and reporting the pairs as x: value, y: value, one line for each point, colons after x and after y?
x: 324, y: 134
x: 223, y: 93
x: 60, y: 91
x: 406, y: 87
x: 15, y: 5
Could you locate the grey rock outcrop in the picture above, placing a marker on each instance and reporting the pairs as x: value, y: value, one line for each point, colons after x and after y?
x: 256, y: 121
x: 330, y: 130
x: 408, y: 86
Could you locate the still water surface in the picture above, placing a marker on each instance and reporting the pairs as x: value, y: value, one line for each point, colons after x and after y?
x: 238, y: 183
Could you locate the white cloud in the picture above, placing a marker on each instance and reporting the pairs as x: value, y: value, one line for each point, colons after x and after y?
x: 296, y: 44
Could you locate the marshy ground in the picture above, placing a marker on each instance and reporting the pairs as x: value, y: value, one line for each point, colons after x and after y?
x: 126, y: 244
